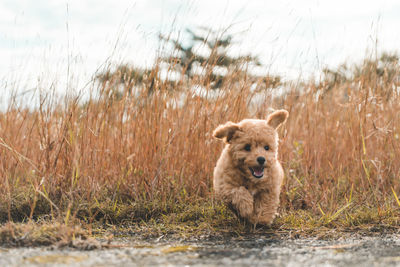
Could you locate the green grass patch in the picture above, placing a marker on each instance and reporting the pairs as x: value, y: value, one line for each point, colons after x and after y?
x: 205, y: 219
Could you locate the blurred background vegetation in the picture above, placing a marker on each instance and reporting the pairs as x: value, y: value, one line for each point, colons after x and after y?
x: 141, y: 148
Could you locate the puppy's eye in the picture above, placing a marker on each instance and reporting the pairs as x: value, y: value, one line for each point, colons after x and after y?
x: 266, y: 147
x: 247, y: 147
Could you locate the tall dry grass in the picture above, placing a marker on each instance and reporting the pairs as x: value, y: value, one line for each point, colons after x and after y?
x: 94, y: 159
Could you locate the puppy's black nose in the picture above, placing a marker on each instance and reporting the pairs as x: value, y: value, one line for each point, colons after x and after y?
x: 261, y: 160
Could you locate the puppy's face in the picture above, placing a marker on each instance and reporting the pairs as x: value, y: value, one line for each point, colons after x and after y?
x: 253, y: 144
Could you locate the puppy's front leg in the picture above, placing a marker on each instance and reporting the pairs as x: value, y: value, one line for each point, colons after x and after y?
x: 242, y: 201
x: 265, y: 206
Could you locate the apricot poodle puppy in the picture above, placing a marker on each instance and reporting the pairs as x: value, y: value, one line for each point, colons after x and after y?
x: 248, y: 175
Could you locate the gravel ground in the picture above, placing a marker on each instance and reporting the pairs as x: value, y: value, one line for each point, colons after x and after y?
x: 254, y: 251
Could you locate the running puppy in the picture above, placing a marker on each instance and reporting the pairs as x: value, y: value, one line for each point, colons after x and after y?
x: 248, y: 175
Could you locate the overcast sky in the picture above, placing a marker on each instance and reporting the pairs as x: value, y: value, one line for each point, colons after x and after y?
x: 41, y: 38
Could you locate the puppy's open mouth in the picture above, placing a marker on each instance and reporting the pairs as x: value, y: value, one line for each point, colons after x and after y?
x: 257, y: 172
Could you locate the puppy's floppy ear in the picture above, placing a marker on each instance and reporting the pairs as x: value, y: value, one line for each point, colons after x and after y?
x: 226, y: 131
x: 277, y: 118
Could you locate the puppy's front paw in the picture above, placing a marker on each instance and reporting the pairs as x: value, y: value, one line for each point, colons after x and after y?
x: 243, y: 202
x: 264, y: 218
x: 264, y: 221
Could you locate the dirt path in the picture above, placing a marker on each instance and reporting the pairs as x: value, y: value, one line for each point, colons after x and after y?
x: 254, y: 251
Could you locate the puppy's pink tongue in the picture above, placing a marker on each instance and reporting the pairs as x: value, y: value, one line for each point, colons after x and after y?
x: 258, y: 171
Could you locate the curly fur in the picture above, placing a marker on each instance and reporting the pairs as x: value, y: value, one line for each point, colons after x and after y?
x: 239, y: 181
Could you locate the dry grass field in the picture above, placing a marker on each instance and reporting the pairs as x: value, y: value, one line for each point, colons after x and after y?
x: 144, y: 154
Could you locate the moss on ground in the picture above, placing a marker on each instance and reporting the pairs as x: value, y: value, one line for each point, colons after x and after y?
x: 200, y: 220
